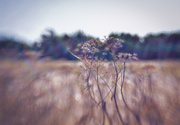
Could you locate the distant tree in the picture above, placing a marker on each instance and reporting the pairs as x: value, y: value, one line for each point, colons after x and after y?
x: 131, y: 41
x: 10, y: 47
x: 154, y: 46
x: 174, y: 38
x: 36, y: 46
x: 52, y: 46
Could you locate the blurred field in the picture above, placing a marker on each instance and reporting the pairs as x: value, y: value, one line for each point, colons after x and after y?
x: 53, y: 93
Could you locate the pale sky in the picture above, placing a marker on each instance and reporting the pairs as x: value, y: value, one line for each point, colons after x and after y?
x: 28, y: 19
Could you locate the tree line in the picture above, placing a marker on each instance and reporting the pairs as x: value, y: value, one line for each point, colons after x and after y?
x: 151, y: 46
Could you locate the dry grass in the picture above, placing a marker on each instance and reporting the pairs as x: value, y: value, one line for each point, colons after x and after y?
x: 53, y: 93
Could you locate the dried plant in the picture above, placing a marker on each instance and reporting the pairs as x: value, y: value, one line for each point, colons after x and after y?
x: 94, y: 58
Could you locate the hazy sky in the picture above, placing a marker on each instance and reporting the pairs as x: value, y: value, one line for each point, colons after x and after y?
x: 29, y: 18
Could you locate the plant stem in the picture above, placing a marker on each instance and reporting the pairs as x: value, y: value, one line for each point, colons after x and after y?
x: 100, y: 93
x: 122, y: 95
x: 115, y: 101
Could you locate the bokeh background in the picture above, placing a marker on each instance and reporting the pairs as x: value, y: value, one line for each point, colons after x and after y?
x: 42, y: 83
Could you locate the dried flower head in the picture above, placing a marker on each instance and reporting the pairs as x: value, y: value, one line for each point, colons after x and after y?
x: 113, y: 44
x: 90, y: 46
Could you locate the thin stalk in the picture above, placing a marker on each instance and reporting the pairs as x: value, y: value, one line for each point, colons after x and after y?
x: 103, y: 103
x: 103, y: 81
x: 122, y: 88
x: 122, y: 95
x: 89, y: 87
x: 108, y: 92
x: 115, y: 101
x: 100, y: 93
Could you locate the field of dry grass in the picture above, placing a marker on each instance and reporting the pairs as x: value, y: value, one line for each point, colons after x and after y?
x: 54, y: 93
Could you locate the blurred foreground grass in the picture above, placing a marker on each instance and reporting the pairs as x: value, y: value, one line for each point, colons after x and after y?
x: 53, y: 93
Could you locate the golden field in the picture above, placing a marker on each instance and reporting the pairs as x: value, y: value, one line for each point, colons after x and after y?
x: 47, y: 92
